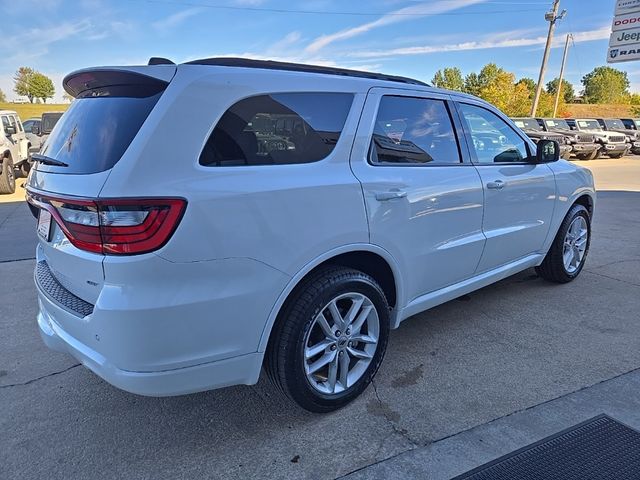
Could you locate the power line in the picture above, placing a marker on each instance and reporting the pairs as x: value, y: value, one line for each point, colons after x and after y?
x: 329, y: 12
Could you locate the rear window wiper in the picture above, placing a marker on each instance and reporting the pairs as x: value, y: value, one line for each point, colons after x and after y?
x: 48, y: 160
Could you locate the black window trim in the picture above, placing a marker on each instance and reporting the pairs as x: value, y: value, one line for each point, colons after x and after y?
x: 461, y: 141
x: 467, y: 134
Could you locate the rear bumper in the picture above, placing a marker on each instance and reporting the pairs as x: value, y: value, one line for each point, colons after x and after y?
x: 161, y: 328
x: 243, y: 369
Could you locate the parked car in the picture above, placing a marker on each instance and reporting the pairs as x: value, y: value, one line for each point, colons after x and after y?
x: 536, y: 132
x: 616, y: 125
x: 31, y: 127
x: 612, y: 144
x: 13, y: 149
x: 631, y: 123
x: 583, y: 145
x: 39, y: 129
x: 168, y: 267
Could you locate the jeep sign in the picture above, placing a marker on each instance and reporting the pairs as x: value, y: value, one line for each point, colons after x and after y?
x: 625, y: 37
x: 624, y: 43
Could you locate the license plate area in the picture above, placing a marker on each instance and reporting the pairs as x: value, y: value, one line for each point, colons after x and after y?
x: 44, y: 225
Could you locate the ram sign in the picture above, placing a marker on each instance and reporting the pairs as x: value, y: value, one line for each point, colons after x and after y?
x: 624, y: 43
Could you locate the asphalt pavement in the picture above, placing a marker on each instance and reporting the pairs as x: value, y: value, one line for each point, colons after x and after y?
x: 461, y: 384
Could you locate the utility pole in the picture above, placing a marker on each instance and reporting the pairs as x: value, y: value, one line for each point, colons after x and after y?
x: 559, y: 88
x: 552, y: 17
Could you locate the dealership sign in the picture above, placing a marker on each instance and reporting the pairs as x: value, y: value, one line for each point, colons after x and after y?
x: 626, y: 6
x: 624, y: 43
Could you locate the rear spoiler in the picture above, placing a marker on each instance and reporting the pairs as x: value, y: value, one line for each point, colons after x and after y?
x: 119, y: 81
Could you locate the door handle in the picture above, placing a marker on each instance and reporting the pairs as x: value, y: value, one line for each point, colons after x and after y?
x: 497, y: 185
x: 390, y: 195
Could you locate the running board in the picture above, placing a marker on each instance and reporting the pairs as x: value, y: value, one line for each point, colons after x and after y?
x: 433, y: 299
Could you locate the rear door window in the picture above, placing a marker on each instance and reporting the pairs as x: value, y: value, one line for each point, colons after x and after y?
x: 413, y: 131
x: 278, y: 129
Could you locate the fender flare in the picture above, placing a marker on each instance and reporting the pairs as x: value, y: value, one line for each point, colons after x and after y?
x: 564, y: 209
x: 293, y: 282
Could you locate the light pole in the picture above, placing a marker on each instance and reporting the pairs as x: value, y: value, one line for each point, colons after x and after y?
x: 552, y: 17
x: 559, y: 87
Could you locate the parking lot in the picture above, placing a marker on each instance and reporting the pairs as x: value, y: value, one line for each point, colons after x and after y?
x: 461, y: 384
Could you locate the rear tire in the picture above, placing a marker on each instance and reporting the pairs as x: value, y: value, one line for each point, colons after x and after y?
x: 569, y: 249
x: 7, y: 176
x: 349, y: 348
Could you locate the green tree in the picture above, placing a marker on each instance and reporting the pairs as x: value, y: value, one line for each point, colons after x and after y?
x: 42, y: 87
x: 472, y: 84
x: 605, y: 85
x: 449, y: 78
x: 497, y: 86
x: 567, y: 93
x: 3, y: 97
x: 22, y: 82
x: 530, y: 84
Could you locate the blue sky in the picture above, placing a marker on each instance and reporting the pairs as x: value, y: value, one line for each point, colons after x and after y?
x: 404, y: 37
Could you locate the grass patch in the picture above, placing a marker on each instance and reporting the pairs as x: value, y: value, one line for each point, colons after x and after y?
x: 30, y: 110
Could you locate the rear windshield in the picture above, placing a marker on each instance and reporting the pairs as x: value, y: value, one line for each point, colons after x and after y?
x: 94, y: 133
x: 49, y: 121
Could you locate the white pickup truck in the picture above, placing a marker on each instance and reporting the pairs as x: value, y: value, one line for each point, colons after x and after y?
x: 14, y: 150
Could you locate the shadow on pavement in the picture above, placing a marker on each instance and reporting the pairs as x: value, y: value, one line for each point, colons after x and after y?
x: 17, y: 232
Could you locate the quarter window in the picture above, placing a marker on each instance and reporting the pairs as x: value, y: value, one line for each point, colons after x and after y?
x: 493, y: 140
x: 412, y: 130
x: 278, y: 129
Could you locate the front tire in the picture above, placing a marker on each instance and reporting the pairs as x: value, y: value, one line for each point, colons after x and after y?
x: 7, y: 176
x: 569, y: 250
x: 330, y: 339
x: 616, y: 155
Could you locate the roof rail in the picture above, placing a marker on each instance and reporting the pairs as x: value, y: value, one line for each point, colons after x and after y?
x: 299, y: 67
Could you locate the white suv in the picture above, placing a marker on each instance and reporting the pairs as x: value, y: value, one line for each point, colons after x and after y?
x: 304, y: 213
x: 14, y: 150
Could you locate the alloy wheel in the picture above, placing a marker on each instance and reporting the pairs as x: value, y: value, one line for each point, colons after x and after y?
x: 341, y: 343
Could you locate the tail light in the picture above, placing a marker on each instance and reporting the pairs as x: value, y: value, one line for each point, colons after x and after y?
x: 114, y: 226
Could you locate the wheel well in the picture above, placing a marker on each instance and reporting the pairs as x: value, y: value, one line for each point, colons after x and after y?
x: 587, y: 202
x: 6, y: 154
x: 370, y: 263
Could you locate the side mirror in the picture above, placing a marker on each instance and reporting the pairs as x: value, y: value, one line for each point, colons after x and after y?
x: 548, y: 151
x: 35, y: 129
x: 9, y: 130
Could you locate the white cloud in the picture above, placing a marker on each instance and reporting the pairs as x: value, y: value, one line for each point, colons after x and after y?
x: 34, y: 42
x: 176, y: 19
x: 501, y: 40
x: 401, y: 15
